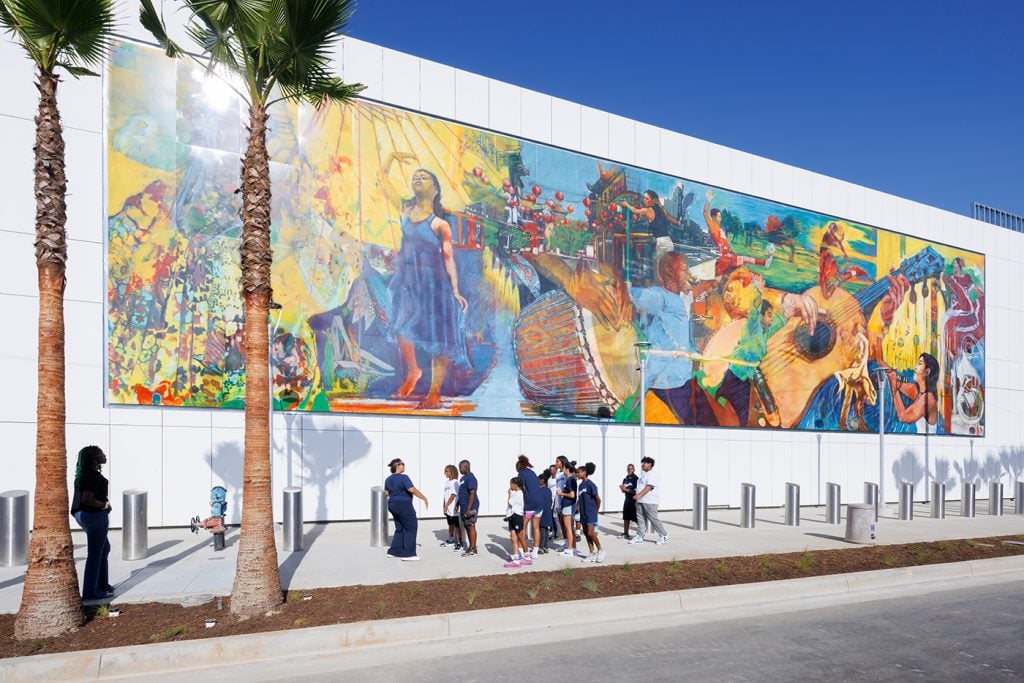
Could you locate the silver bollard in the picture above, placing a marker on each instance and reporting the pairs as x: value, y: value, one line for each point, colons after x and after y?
x: 906, y: 501
x: 938, y: 500
x: 833, y: 503
x: 995, y: 499
x: 700, y: 507
x: 135, y: 528
x: 378, y: 517
x: 792, y: 504
x: 14, y: 528
x: 1018, y: 501
x: 968, y: 500
x: 747, y: 502
x: 871, y: 496
x: 291, y: 533
x: 859, y: 527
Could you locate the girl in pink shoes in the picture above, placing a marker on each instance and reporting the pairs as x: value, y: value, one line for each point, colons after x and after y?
x: 516, y: 525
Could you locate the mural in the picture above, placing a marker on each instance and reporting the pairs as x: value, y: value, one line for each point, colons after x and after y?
x: 425, y: 267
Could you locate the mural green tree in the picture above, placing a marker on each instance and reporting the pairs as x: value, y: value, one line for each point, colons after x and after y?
x: 267, y: 51
x: 57, y: 36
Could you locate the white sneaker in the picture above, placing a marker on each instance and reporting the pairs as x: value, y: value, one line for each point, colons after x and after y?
x: 590, y: 558
x: 663, y: 540
x: 566, y: 552
x: 601, y: 555
x: 638, y: 539
x: 535, y: 553
x: 414, y: 558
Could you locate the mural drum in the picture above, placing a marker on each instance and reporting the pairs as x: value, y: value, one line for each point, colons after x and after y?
x: 425, y: 267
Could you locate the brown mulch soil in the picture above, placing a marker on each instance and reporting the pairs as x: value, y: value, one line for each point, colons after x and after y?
x: 158, y: 622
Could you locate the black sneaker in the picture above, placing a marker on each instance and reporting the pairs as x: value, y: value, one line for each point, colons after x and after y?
x: 447, y: 544
x: 469, y: 552
x: 458, y: 547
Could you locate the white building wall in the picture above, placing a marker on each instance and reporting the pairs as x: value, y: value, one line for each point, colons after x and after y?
x: 178, y: 454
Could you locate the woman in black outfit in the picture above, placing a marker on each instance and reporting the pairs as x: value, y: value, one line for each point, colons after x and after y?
x: 91, y: 509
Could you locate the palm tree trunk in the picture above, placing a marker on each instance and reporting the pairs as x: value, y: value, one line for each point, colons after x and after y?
x: 50, y: 602
x: 257, y: 586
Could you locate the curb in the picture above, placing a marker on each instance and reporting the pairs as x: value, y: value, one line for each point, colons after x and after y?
x: 135, y: 660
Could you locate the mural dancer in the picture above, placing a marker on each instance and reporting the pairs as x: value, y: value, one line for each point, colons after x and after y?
x: 728, y: 260
x: 830, y: 277
x: 923, y: 409
x: 426, y: 305
x: 855, y: 382
x: 659, y: 219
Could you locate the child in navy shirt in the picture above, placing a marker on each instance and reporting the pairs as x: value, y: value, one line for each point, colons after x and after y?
x: 588, y: 502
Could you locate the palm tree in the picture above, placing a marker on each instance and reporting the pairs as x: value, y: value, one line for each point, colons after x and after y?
x: 275, y: 50
x: 71, y: 36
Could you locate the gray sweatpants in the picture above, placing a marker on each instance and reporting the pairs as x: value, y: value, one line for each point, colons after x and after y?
x: 648, y: 512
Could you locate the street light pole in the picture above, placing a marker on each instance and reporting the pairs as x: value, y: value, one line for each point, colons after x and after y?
x: 927, y: 461
x: 641, y: 352
x: 881, y: 435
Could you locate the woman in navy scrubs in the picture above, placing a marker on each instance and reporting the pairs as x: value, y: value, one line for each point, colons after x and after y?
x: 400, y: 490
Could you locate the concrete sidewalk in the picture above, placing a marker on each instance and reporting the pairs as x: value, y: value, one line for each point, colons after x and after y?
x: 184, y: 568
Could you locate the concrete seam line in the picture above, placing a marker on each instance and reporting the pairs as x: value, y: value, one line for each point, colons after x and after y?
x: 114, y: 662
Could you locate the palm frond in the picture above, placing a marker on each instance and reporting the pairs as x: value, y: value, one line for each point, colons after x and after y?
x: 76, y: 71
x: 60, y: 33
x: 153, y: 22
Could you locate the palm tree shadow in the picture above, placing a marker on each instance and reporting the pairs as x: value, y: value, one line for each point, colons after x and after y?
x: 227, y: 463
x: 325, y: 455
x: 908, y: 468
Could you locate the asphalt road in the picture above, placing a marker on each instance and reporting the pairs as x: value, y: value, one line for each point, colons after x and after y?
x: 961, y: 634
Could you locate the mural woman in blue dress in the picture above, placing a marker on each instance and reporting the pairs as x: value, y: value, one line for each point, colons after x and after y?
x: 427, y: 308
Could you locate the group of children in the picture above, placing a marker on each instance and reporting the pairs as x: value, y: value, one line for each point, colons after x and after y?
x: 560, y: 501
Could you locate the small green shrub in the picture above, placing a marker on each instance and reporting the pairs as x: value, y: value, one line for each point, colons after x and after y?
x: 805, y: 562
x: 172, y: 632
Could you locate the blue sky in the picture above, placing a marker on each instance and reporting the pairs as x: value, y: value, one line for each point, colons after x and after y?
x: 920, y: 99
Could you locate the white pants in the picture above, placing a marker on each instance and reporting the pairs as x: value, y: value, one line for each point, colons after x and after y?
x: 648, y: 512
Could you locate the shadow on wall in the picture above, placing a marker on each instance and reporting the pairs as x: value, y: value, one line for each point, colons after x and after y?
x: 943, y: 474
x: 1012, y: 460
x: 227, y: 463
x: 908, y: 467
x: 326, y: 454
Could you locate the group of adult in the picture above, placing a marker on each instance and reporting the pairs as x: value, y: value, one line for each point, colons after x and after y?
x: 562, y: 500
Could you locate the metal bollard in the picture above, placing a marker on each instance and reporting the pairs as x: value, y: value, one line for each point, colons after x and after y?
x: 14, y: 528
x: 967, y: 501
x: 135, y: 528
x: 700, y: 507
x: 995, y: 499
x: 792, y: 504
x: 1018, y: 501
x: 859, y: 527
x: 833, y: 503
x: 378, y: 517
x: 871, y: 496
x: 291, y: 532
x: 747, y: 501
x: 906, y: 501
x: 938, y: 500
